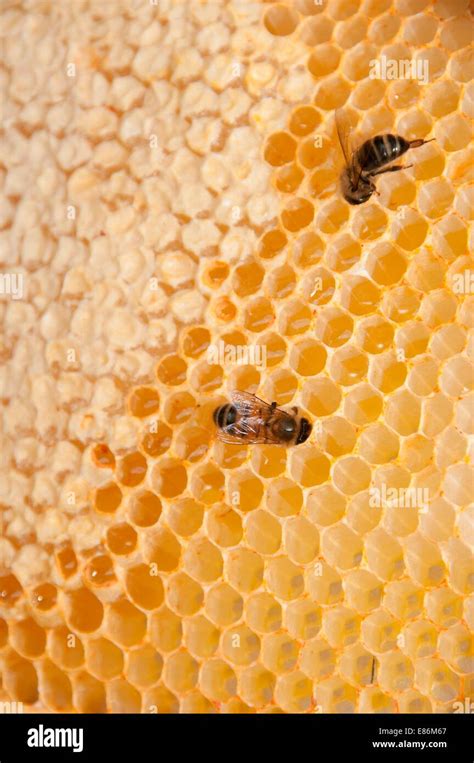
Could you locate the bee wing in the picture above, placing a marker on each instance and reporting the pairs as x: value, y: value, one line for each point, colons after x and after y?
x: 248, y: 404
x: 252, y: 413
x: 344, y: 133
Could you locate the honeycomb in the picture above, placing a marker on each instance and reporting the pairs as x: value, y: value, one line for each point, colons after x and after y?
x: 169, y: 175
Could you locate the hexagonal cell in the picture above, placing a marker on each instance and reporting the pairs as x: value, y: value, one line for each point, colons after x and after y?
x: 341, y: 626
x: 434, y: 678
x: 334, y: 695
x: 380, y: 631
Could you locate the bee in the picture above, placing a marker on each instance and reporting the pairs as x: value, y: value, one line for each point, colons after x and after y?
x: 366, y: 162
x: 248, y: 419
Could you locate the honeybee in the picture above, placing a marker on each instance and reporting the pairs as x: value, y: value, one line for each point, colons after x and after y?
x: 248, y: 419
x: 366, y: 161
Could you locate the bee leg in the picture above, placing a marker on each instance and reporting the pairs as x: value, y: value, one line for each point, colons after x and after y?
x: 273, y: 406
x: 395, y: 168
x: 419, y: 142
x: 295, y: 409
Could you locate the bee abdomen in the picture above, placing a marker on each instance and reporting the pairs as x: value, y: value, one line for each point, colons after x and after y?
x: 381, y: 150
x: 225, y: 415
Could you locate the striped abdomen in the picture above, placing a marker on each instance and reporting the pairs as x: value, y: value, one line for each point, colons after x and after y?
x: 382, y: 149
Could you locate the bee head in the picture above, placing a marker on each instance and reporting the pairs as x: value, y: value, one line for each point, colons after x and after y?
x: 286, y: 428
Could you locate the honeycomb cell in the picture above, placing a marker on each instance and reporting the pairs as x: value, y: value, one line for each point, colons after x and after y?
x: 281, y: 20
x: 336, y: 436
x: 361, y: 515
x: 213, y: 276
x: 340, y: 626
x: 400, y: 304
x: 160, y: 700
x: 404, y: 599
x: 217, y: 680
x: 256, y: 686
x: 65, y: 648
x: 157, y: 442
x: 144, y: 401
x: 107, y: 499
x: 122, y: 697
x: 325, y: 505
x: 104, y: 659
x: 309, y: 466
x: 165, y: 630
x: 172, y: 370
x: 224, y: 526
x: 294, y: 692
x: 433, y: 677
x: 380, y: 631
x: 301, y: 540
x: 27, y: 638
x: 386, y: 264
x: 161, y: 550
x: 201, y: 637
x: 55, y: 687
x: 280, y: 149
x: 334, y: 695
x: 269, y: 460
x: 247, y: 278
x: 195, y: 340
x: 351, y: 474
x: 99, y: 572
x: 124, y: 624
x: 245, y: 491
x: 263, y: 613
x: 179, y: 407
x: 384, y: 554
x: 258, y: 315
x: 202, y: 560
x: 297, y: 214
x: 279, y: 653
x: 304, y: 121
x: 263, y: 532
x: 386, y: 372
x: 362, y: 404
x: 343, y: 253
x: 272, y: 243
x: 122, y: 538
x: 180, y: 672
x: 240, y: 645
x: 356, y: 665
x: 144, y: 588
x: 456, y: 647
x: 103, y: 457
x: 341, y: 546
x: 360, y: 296
x: 324, y: 584
x: 84, y: 612
x: 88, y: 694
x: 348, y: 365
x: 363, y: 591
x: 169, y: 478
x: 44, y: 597
x: 289, y: 178
x: 317, y: 659
x: 334, y: 326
